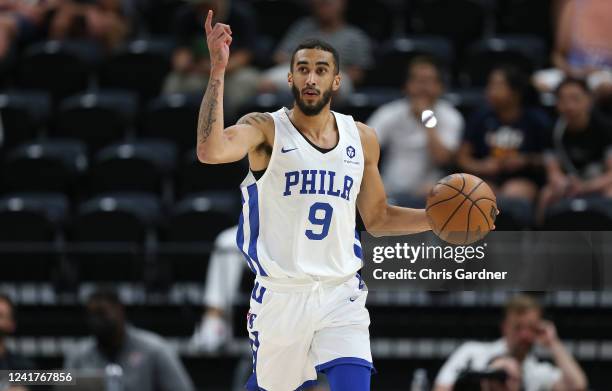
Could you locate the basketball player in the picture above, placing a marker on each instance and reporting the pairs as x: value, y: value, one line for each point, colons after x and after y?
x: 309, y: 168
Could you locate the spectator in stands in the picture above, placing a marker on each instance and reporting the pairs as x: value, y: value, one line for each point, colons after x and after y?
x: 8, y: 359
x: 415, y: 156
x: 583, y: 48
x: 522, y: 327
x: 503, y: 373
x: 327, y: 23
x: 21, y: 22
x: 580, y: 161
x: 222, y: 285
x: 504, y: 142
x: 104, y: 21
x: 147, y: 361
x: 191, y: 62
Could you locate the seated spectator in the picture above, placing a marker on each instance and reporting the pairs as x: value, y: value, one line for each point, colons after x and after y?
x: 583, y: 48
x: 222, y: 285
x: 522, y: 327
x: 504, y: 142
x: 580, y: 161
x: 502, y: 374
x: 415, y: 156
x: 191, y: 62
x: 8, y: 359
x: 148, y: 363
x: 328, y: 24
x: 104, y: 21
x: 21, y: 22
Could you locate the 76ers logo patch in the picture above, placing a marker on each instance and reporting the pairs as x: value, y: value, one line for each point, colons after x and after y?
x: 350, y: 151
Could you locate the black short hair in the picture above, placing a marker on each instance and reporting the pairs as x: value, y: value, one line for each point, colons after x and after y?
x: 108, y: 295
x: 424, y: 59
x: 581, y: 83
x: 317, y: 44
x: 515, y: 77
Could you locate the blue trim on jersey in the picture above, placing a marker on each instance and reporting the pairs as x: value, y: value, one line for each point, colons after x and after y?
x: 252, y: 385
x: 240, y: 237
x: 357, y: 251
x: 345, y: 360
x: 254, y: 225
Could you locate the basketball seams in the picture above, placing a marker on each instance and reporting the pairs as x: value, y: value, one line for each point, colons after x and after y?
x: 441, y: 201
x: 459, y: 206
x: 467, y: 230
x: 481, y: 211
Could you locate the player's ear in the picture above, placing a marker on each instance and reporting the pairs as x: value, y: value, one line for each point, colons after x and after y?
x: 336, y: 82
x: 290, y: 79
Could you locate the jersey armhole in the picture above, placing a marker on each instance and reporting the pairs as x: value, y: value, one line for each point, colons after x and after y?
x: 262, y: 177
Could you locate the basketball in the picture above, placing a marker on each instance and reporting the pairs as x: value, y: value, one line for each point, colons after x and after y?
x: 461, y: 209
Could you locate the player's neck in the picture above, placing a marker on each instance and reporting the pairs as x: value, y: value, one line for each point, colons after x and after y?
x: 311, y: 125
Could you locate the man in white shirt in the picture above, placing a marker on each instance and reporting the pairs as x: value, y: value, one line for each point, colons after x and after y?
x: 414, y: 153
x: 522, y: 327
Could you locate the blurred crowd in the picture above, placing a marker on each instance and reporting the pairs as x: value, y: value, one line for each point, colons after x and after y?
x: 528, y: 151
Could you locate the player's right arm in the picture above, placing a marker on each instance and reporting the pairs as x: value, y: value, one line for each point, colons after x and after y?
x: 214, y: 143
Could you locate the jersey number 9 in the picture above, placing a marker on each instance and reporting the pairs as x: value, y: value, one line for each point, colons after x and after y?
x: 324, y: 221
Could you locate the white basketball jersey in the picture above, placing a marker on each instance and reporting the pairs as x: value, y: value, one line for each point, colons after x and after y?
x: 298, y: 219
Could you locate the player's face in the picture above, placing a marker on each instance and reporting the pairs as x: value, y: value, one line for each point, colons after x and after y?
x: 313, y: 80
x: 573, y: 103
x: 7, y: 324
x: 424, y: 82
x: 499, y: 93
x: 520, y: 331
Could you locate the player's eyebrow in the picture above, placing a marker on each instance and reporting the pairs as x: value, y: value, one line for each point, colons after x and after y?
x: 301, y: 62
x: 322, y: 63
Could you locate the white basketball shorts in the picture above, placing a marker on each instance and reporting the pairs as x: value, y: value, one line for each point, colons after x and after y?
x: 297, y: 331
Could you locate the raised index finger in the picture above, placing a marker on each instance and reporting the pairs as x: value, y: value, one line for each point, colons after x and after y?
x: 207, y: 23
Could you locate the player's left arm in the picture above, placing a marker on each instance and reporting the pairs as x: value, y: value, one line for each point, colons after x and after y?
x: 379, y: 217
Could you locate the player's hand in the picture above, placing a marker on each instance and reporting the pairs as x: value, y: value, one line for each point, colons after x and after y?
x: 219, y: 39
x: 576, y: 187
x: 547, y: 334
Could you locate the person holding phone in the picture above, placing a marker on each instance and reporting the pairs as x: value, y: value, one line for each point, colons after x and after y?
x: 522, y: 328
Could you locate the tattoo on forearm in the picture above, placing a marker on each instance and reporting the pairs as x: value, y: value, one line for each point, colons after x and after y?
x: 208, y: 107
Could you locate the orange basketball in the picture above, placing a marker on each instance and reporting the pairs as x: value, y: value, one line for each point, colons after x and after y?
x: 461, y: 209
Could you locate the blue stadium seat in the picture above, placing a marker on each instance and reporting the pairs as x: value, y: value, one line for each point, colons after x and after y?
x: 44, y: 166
x: 142, y: 166
x: 60, y: 67
x: 173, y: 117
x: 194, y: 176
x: 35, y: 217
x: 96, y: 118
x: 528, y: 53
x: 23, y: 115
x: 395, y: 54
x: 140, y: 65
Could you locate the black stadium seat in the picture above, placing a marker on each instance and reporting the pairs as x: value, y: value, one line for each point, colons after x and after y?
x: 96, y: 118
x: 579, y: 214
x: 32, y: 217
x: 362, y: 104
x: 60, y: 67
x: 26, y: 218
x: 142, y: 166
x: 466, y: 100
x: 395, y: 54
x: 194, y: 176
x: 173, y: 117
x: 44, y: 166
x: 140, y: 65
x: 527, y: 53
x: 23, y: 114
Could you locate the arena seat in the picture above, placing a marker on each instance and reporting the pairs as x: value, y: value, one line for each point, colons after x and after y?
x: 52, y: 165
x: 34, y: 220
x: 466, y: 100
x: 268, y: 22
x: 395, y: 54
x: 361, y: 105
x: 579, y: 214
x: 173, y: 117
x: 459, y: 20
x: 23, y: 115
x: 96, y: 118
x: 60, y: 67
x: 193, y: 176
x: 142, y: 166
x: 525, y: 52
x: 524, y: 17
x: 194, y: 223
x: 378, y: 19
x: 267, y: 102
x: 139, y: 65
x: 516, y: 214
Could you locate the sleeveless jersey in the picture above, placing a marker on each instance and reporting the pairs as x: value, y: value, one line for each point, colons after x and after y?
x: 298, y: 219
